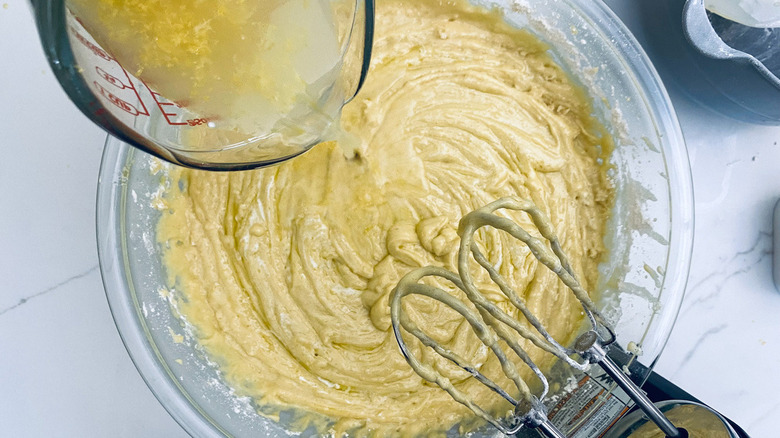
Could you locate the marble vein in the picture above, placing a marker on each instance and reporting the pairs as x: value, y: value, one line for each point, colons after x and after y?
x: 49, y: 289
x: 697, y: 344
x: 771, y: 412
x: 758, y: 251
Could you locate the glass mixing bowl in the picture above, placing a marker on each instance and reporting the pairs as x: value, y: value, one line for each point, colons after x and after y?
x: 650, y: 232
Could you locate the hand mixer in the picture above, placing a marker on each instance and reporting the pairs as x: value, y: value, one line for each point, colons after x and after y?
x: 491, y: 325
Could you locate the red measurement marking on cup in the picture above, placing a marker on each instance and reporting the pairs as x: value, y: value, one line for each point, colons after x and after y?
x: 111, y: 79
x: 138, y: 96
x: 122, y: 85
x: 168, y: 109
x: 104, y: 72
x: 109, y: 75
x: 196, y: 122
x: 117, y: 101
x: 94, y: 48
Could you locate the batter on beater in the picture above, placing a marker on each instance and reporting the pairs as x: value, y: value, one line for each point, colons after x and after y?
x: 286, y: 272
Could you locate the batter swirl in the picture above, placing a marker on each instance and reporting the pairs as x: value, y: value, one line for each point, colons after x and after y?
x: 286, y: 271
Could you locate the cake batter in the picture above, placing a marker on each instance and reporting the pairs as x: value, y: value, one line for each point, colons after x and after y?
x: 285, y: 272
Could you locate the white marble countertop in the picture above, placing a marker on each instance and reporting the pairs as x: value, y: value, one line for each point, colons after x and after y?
x: 64, y: 371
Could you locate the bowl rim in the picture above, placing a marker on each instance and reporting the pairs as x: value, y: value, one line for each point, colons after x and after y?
x: 676, y: 162
x: 122, y: 300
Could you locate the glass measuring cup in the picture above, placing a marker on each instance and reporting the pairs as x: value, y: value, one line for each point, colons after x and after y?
x: 246, y: 94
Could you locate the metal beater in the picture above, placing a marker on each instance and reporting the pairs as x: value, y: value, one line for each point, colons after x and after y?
x: 492, y: 324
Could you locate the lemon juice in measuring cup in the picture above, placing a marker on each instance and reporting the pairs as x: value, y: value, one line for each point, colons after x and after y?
x: 220, y: 84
